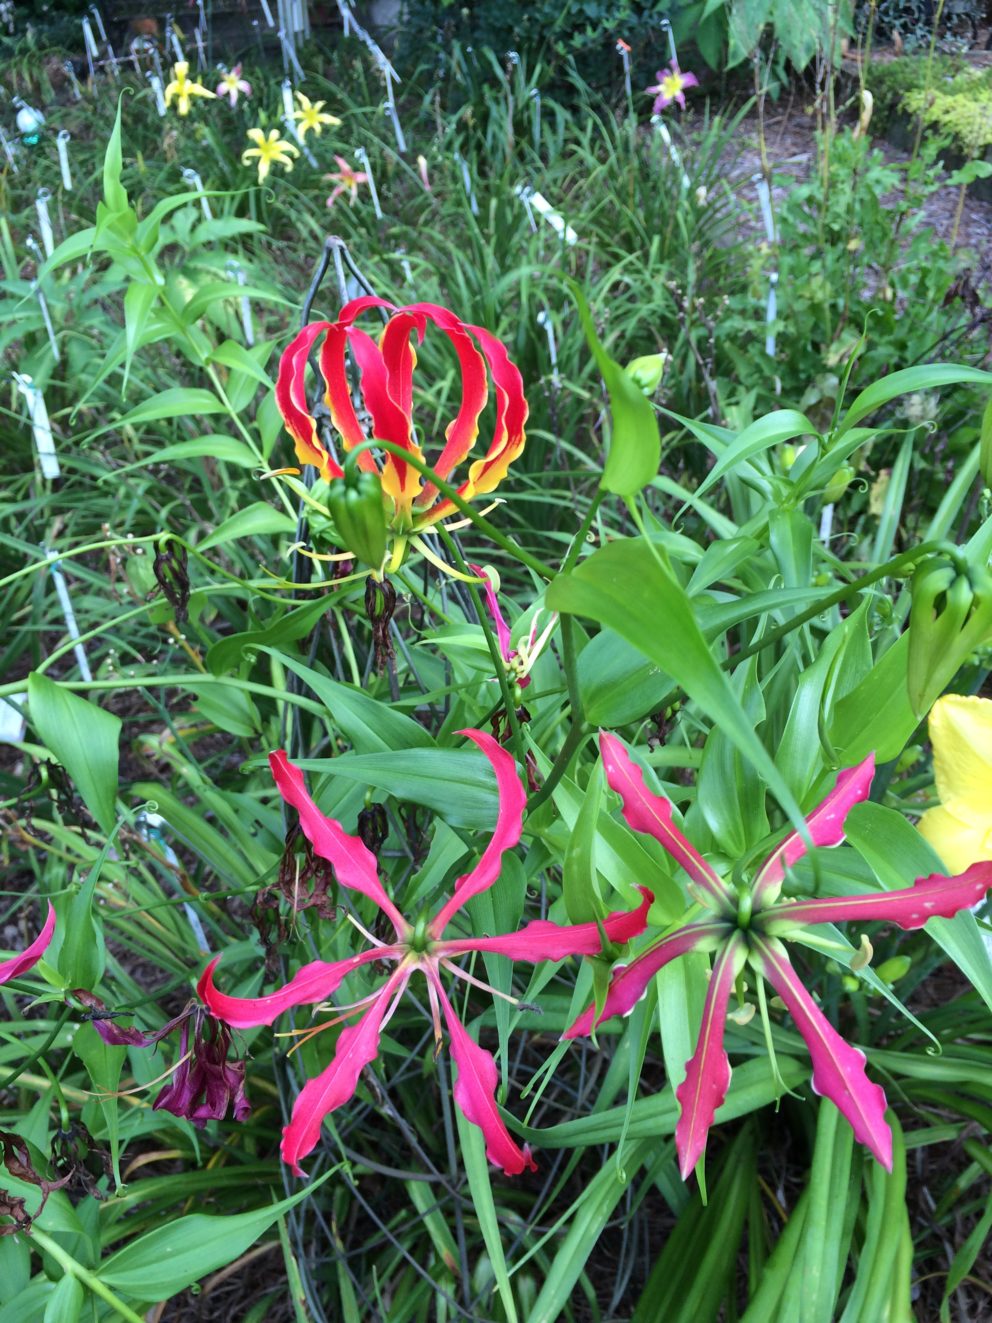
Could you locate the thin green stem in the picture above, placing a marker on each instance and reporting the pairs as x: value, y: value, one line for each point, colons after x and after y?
x: 88, y: 1279
x: 572, y: 555
x: 43, y: 562
x: 573, y: 741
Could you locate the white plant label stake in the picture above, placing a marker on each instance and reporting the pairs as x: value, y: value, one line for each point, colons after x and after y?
x: 293, y: 129
x: 150, y: 827
x: 192, y: 177
x: 362, y: 157
x: 65, y: 602
x: 673, y: 151
x: 623, y: 50
x: 8, y: 151
x: 36, y: 290
x: 44, y: 442
x: 288, y: 105
x: 391, y: 109
x: 62, y: 144
x: 92, y: 52
x: 673, y: 53
x: 98, y: 20
x: 45, y: 221
x: 158, y: 91
x: 544, y: 319
x: 13, y: 723
x: 768, y: 217
x: 544, y: 209
x: 201, y: 55
x: 535, y: 101
x: 289, y: 55
x: 70, y: 73
x: 268, y: 13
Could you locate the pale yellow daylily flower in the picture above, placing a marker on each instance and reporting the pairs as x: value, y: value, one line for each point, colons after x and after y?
x: 183, y: 87
x: 960, y: 829
x: 311, y: 115
x: 271, y: 150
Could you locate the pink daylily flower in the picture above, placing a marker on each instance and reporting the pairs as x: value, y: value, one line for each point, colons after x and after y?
x: 518, y: 661
x: 348, y: 180
x: 670, y: 87
x: 749, y: 926
x: 232, y: 85
x: 29, y: 957
x: 420, y: 946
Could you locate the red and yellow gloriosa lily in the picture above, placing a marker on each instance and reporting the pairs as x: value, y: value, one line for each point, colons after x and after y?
x: 386, y: 367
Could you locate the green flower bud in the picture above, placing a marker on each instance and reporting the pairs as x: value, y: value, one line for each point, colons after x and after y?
x: 891, y: 971
x: 356, y: 506
x: 647, y: 371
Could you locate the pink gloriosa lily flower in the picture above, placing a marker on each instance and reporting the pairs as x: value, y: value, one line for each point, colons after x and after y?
x: 670, y: 87
x: 750, y: 927
x: 29, y: 957
x: 518, y: 661
x: 419, y: 946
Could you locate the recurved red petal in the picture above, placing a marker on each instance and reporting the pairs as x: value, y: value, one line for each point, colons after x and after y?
x: 838, y: 1068
x: 707, y: 1076
x: 311, y: 984
x: 933, y: 897
x: 543, y: 940
x: 826, y: 827
x: 509, y: 825
x: 652, y: 814
x: 475, y: 1089
x: 509, y: 435
x: 630, y: 982
x: 355, y: 866
x: 357, y: 1045
x: 400, y: 480
x: 291, y: 399
x: 337, y: 391
x: 29, y: 957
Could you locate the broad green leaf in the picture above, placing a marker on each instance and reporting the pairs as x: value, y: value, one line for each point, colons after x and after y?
x: 579, y: 880
x: 368, y: 725
x: 288, y: 627
x: 164, y: 1262
x: 625, y: 588
x: 176, y: 402
x: 83, y: 738
x: 928, y: 377
x: 114, y: 193
x: 761, y: 435
x: 65, y: 1304
x: 139, y: 300
x: 456, y: 784
x: 635, y: 442
x: 213, y: 446
x: 876, y: 715
x: 256, y: 520
x: 234, y: 356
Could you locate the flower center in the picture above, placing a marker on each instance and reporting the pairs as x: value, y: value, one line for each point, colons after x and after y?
x: 745, y: 907
x: 419, y: 942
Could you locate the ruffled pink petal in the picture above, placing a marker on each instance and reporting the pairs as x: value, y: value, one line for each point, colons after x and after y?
x: 544, y: 940
x: 509, y: 825
x: 311, y: 984
x: 355, y: 866
x: 29, y: 957
x: 933, y: 897
x: 356, y: 1047
x: 708, y: 1072
x: 838, y: 1068
x: 630, y: 982
x: 826, y: 827
x: 652, y: 814
x: 475, y: 1090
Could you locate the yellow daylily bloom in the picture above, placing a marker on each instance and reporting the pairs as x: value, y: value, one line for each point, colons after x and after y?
x: 960, y: 828
x: 270, y: 150
x: 311, y: 115
x: 183, y: 87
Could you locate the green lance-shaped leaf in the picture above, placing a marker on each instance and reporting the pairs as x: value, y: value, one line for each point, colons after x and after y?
x: 624, y: 587
x: 163, y: 1262
x: 83, y: 738
x: 635, y: 444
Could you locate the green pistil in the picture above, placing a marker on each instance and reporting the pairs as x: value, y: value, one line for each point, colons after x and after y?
x: 745, y: 904
x: 420, y: 940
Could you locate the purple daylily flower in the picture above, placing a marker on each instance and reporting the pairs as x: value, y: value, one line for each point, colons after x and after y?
x: 670, y: 87
x: 750, y: 927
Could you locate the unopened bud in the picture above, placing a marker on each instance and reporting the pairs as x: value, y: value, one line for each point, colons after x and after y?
x: 647, y: 371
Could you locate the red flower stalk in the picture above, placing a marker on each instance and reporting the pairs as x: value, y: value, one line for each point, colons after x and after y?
x: 386, y: 383
x: 29, y: 957
x: 750, y: 926
x: 419, y: 946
